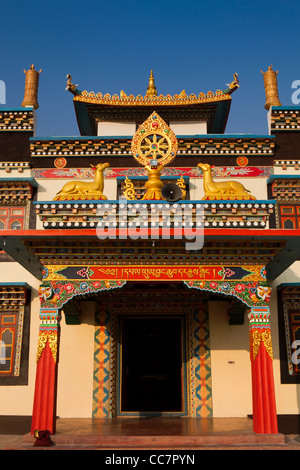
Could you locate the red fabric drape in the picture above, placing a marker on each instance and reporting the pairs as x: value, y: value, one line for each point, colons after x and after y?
x: 44, y: 408
x: 264, y: 406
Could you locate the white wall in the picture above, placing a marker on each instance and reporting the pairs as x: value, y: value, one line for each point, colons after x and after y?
x: 230, y: 364
x: 189, y: 127
x: 75, y: 369
x: 108, y: 129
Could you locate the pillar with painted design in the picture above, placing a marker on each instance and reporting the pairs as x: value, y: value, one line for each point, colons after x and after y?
x: 44, y: 407
x: 261, y: 355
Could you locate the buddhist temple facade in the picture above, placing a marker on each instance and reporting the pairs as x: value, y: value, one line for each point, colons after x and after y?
x: 149, y: 265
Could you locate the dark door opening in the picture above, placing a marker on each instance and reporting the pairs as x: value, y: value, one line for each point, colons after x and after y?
x: 151, y: 377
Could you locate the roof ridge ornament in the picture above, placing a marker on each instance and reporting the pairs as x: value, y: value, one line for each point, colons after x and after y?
x: 271, y: 88
x: 151, y: 89
x: 70, y: 86
x: 233, y: 85
x: 31, y: 88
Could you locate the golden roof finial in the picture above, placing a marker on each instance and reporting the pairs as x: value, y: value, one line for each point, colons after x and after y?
x: 271, y: 88
x: 151, y: 89
x: 31, y: 88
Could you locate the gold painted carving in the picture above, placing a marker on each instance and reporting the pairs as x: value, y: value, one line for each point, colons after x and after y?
x: 31, y: 88
x: 228, y: 190
x: 180, y: 182
x: 43, y: 338
x: 271, y: 88
x: 129, y: 191
x: 267, y: 340
x: 257, y: 336
x: 51, y: 337
x: 154, y: 184
x: 74, y: 190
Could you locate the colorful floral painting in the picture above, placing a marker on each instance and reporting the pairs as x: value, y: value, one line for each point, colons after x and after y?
x: 83, y: 173
x: 58, y: 293
x: 250, y: 293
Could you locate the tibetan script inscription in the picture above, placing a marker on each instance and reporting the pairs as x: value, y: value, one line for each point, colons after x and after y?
x: 153, y: 273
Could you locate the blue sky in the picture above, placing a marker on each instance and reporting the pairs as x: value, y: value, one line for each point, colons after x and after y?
x: 108, y: 46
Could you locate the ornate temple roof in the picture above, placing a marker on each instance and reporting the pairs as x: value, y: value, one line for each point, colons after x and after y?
x: 212, y: 107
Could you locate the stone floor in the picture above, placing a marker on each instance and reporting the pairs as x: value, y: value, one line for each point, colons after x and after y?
x: 148, y: 433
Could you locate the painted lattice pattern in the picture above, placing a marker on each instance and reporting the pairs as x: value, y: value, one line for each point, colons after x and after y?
x: 101, y: 376
x: 199, y: 367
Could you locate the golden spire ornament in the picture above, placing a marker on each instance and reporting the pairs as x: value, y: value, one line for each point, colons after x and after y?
x: 31, y: 88
x: 271, y: 88
x: 151, y: 89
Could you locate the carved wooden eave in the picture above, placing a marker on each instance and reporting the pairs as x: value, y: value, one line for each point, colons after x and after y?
x: 198, y: 145
x: 13, y: 295
x: 16, y: 190
x: 212, y: 107
x: 16, y: 119
x: 280, y: 248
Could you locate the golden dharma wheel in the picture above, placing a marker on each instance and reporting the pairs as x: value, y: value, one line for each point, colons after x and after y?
x: 154, y: 140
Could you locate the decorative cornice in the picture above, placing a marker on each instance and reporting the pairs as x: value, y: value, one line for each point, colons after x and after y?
x: 16, y: 190
x: 13, y: 295
x: 117, y: 146
x: 17, y: 120
x: 285, y: 188
x: 89, y: 214
x: 287, y: 164
x: 285, y: 119
x: 20, y: 166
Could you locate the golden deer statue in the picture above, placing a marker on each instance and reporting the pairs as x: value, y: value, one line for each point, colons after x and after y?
x: 222, y: 189
x: 85, y: 190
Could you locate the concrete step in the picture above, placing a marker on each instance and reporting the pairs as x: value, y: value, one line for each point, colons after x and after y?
x: 172, y: 442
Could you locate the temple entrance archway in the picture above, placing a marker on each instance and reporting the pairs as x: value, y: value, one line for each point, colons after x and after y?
x: 245, y: 284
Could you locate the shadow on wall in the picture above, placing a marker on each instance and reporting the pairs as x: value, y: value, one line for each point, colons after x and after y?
x: 15, y: 425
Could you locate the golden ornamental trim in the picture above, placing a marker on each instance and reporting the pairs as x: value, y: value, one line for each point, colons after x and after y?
x: 129, y: 191
x: 257, y: 336
x: 159, y: 100
x: 51, y: 337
